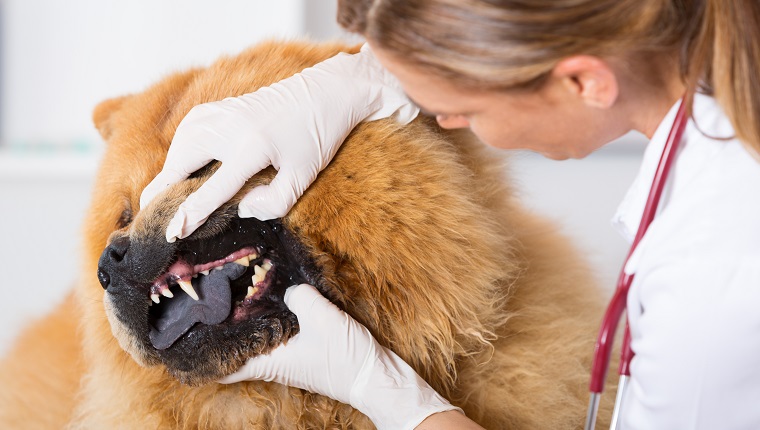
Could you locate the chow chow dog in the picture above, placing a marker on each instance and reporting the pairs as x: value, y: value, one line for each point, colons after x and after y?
x: 413, y: 230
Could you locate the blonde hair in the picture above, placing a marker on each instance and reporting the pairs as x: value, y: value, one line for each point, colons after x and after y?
x: 504, y: 44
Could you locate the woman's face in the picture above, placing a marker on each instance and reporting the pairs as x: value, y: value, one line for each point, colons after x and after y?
x: 552, y: 121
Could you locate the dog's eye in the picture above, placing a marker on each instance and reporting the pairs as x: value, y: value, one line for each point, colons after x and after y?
x: 125, y: 218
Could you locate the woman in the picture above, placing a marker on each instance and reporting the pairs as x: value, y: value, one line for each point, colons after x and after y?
x: 560, y: 77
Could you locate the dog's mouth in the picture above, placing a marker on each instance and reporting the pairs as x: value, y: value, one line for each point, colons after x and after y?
x: 215, y: 286
x: 205, y: 304
x: 227, y: 290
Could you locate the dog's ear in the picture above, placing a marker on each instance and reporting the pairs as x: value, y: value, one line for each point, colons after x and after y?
x: 103, y: 112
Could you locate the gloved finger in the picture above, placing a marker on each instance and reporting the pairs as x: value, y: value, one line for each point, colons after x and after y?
x: 274, y: 200
x: 298, y: 298
x: 165, y: 178
x: 216, y: 191
x: 173, y: 172
x: 308, y: 303
x: 272, y: 365
x: 264, y: 367
x: 239, y: 376
x: 242, y: 374
x: 255, y: 368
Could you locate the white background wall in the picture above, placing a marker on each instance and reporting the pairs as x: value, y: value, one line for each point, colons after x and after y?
x: 59, y: 59
x: 63, y: 57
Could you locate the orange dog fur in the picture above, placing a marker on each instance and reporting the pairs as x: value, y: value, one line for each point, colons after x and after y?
x: 416, y: 233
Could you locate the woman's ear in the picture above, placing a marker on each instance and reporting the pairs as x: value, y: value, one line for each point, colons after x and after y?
x: 590, y: 78
x: 102, y: 115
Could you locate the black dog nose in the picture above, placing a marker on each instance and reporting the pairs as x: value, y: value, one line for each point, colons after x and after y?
x: 112, y: 259
x: 118, y: 249
x: 104, y: 279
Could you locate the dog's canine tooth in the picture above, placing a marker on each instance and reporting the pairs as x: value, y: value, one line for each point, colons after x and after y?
x: 187, y: 287
x: 205, y: 272
x: 155, y: 298
x: 166, y: 292
x: 243, y: 261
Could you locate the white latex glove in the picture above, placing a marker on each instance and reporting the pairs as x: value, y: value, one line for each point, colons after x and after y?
x: 336, y: 356
x: 295, y: 125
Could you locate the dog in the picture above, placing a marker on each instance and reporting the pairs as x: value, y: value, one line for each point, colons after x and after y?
x: 413, y: 230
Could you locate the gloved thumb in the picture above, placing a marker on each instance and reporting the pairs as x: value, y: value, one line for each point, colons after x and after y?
x: 303, y: 299
x: 272, y: 201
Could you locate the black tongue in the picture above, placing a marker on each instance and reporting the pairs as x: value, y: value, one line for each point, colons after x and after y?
x: 182, y: 312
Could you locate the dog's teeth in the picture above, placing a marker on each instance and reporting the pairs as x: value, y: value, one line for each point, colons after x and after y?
x: 258, y: 274
x: 267, y: 265
x: 251, y: 291
x: 166, y: 292
x: 205, y: 272
x: 187, y: 287
x: 155, y: 298
x: 243, y: 261
x: 218, y: 267
x: 253, y: 256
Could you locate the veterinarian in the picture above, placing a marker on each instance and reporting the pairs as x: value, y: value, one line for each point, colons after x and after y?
x: 562, y: 78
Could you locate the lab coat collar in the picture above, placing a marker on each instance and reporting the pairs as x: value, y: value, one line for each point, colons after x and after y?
x: 626, y: 219
x: 697, y: 149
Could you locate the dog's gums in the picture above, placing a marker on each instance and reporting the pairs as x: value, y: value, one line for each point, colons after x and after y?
x: 181, y: 272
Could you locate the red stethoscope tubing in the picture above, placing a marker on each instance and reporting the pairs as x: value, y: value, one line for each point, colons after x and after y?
x: 605, y: 340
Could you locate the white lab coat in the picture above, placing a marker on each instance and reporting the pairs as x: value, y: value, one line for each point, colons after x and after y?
x: 694, y: 305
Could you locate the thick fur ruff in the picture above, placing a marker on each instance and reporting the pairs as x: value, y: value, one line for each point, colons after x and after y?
x: 414, y: 231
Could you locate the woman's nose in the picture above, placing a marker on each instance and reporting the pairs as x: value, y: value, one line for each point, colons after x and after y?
x: 452, y: 121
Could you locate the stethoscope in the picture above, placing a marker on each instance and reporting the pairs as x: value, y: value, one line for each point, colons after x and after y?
x: 603, y: 347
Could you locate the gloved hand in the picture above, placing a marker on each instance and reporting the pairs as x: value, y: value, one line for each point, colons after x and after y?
x: 295, y: 125
x: 336, y: 356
